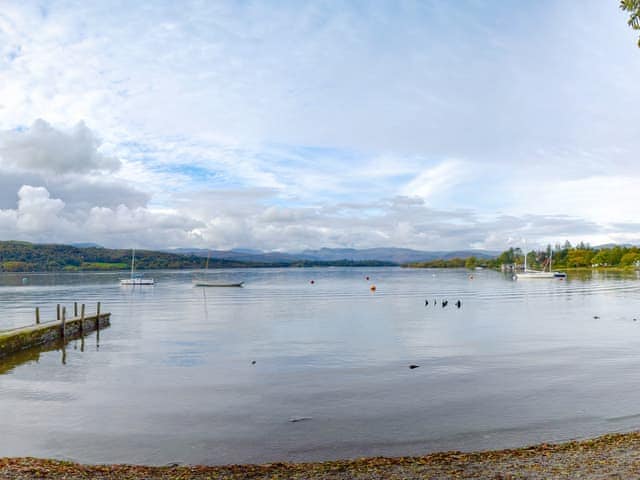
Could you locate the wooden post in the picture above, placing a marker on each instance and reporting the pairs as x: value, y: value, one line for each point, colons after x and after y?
x: 64, y: 322
x: 98, y: 327
x: 75, y: 309
x: 37, y: 315
x: 58, y: 312
x: 82, y: 320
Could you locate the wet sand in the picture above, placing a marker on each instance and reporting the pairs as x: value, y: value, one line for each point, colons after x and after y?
x: 606, y: 457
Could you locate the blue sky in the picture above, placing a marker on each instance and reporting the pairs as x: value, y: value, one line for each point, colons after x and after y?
x: 292, y: 125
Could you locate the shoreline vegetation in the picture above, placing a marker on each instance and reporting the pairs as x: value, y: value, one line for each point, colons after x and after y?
x: 581, y: 257
x: 607, y: 456
x: 26, y: 257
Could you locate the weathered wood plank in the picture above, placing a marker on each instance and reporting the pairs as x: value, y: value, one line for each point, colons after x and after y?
x: 18, y: 339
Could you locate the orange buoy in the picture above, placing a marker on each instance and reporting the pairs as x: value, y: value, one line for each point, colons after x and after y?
x: 372, y: 288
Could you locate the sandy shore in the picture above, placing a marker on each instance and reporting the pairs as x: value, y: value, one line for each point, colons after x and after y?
x: 609, y: 456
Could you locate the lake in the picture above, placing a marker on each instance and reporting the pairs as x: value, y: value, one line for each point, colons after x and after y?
x: 173, y: 378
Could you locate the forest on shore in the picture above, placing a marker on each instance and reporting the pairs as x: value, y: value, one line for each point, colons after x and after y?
x: 559, y: 256
x: 30, y: 257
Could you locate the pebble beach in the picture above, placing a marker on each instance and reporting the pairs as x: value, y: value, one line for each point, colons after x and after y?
x: 607, y: 457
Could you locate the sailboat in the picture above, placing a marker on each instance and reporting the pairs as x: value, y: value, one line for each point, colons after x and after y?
x: 528, y: 273
x: 135, y: 280
x: 204, y: 282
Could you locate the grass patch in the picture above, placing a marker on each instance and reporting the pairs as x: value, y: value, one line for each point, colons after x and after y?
x: 104, y: 266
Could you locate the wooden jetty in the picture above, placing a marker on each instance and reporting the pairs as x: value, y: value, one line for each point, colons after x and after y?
x: 46, y: 333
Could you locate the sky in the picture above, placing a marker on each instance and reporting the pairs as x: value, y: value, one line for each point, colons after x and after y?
x: 287, y: 125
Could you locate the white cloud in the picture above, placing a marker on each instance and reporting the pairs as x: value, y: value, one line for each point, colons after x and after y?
x: 133, y: 222
x: 434, y: 180
x: 245, y: 219
x: 604, y: 199
x: 37, y: 216
x: 37, y: 211
x: 240, y: 124
x: 42, y: 148
x: 41, y: 218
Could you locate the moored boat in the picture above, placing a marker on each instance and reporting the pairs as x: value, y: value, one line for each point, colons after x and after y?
x: 527, y: 273
x: 135, y: 279
x: 207, y: 283
x: 534, y: 274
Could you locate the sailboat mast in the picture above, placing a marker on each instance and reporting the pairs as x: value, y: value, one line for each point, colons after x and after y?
x: 525, y: 259
x: 133, y: 261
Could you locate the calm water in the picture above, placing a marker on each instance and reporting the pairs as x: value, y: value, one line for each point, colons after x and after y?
x: 172, y: 379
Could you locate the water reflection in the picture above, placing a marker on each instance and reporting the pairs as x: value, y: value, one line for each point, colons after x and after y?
x: 591, y: 274
x: 32, y: 355
x: 173, y: 378
x: 10, y: 362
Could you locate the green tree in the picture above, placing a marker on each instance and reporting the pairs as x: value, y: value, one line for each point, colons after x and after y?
x: 633, y: 7
x: 471, y: 263
x: 629, y: 259
x: 615, y: 255
x: 579, y: 258
x: 601, y: 258
x: 508, y: 256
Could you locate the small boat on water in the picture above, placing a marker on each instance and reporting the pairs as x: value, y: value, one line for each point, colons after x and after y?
x: 206, y: 283
x: 135, y: 279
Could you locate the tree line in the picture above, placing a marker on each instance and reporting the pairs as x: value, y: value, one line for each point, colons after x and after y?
x: 29, y: 257
x: 559, y: 256
x: 578, y: 256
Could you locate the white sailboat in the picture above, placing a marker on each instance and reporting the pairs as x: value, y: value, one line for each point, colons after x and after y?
x: 527, y: 273
x: 135, y: 280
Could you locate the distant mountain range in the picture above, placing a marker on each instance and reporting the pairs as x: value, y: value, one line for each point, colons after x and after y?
x: 391, y: 255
